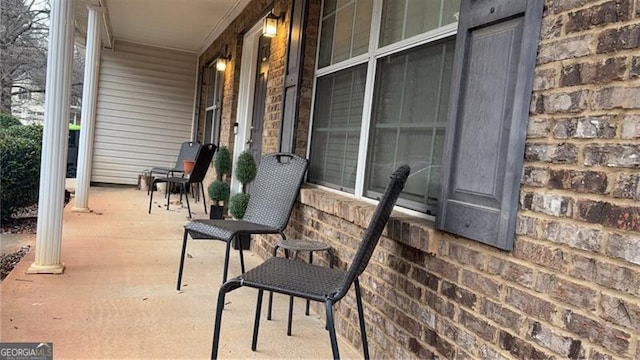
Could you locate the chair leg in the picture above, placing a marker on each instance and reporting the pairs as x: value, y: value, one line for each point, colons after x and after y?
x: 275, y: 253
x: 216, y: 327
x: 290, y: 317
x: 332, y: 329
x: 226, y: 262
x: 184, y: 252
x: 256, y: 323
x: 363, y: 332
x: 204, y: 198
x: 168, y: 193
x: 151, y: 197
x: 306, y: 312
x: 184, y: 190
x: 290, y: 320
x: 241, y: 254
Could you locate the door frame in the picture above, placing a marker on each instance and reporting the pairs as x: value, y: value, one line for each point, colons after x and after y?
x: 246, y: 93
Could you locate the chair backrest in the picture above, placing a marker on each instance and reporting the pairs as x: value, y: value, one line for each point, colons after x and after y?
x: 202, y: 162
x: 188, y: 151
x: 275, y: 189
x: 376, y: 225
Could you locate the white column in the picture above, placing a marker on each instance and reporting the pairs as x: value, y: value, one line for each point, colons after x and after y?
x: 88, y: 117
x: 55, y: 139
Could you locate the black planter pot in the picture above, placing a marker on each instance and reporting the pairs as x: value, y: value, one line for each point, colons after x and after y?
x: 244, y: 240
x: 215, y: 212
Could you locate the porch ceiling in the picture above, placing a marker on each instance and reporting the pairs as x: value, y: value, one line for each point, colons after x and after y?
x: 188, y: 25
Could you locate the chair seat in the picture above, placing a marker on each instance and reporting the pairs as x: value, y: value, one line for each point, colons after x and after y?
x: 225, y: 229
x: 303, y: 245
x: 165, y: 170
x: 172, y: 179
x: 292, y: 277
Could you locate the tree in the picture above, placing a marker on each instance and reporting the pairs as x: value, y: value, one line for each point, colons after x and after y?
x: 24, y: 30
x: 23, y: 47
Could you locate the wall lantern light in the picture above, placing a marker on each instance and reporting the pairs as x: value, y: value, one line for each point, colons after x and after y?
x: 270, y: 26
x: 221, y: 62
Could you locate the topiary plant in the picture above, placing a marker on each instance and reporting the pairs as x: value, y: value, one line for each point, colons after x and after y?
x: 238, y: 205
x: 246, y: 171
x: 246, y: 168
x: 222, y: 163
x: 219, y: 191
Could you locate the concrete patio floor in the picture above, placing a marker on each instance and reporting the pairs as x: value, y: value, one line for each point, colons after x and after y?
x: 117, y: 296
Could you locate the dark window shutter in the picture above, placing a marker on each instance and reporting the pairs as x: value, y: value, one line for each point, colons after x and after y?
x: 293, y: 77
x: 488, y: 112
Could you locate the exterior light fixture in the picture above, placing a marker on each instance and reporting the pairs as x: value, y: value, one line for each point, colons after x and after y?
x: 221, y: 64
x: 270, y: 26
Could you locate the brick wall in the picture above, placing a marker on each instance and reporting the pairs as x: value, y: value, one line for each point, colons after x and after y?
x: 571, y: 287
x: 232, y: 39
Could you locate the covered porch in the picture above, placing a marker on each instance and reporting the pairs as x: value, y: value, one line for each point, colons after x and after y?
x: 518, y: 238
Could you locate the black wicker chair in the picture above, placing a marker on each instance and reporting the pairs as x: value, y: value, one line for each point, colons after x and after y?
x: 273, y: 194
x: 313, y: 282
x: 188, y: 151
x: 200, y: 168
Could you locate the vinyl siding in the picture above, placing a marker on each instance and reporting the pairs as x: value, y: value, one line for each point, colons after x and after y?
x: 144, y: 110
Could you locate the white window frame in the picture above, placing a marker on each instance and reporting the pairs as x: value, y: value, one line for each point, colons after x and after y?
x: 371, y: 57
x: 214, y: 87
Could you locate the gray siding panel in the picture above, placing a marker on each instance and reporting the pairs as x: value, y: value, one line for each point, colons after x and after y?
x: 144, y: 110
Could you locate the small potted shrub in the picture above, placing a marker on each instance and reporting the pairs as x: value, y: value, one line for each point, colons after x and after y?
x: 219, y: 193
x: 219, y: 189
x: 246, y: 171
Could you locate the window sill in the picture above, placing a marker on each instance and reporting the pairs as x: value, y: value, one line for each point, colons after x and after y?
x: 410, y: 230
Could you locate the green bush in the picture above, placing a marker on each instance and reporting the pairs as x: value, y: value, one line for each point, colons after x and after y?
x: 222, y: 163
x: 218, y: 191
x: 238, y: 205
x: 7, y: 120
x: 32, y: 132
x: 20, y: 167
x: 246, y: 169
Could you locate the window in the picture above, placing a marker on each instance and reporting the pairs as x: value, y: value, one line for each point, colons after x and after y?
x: 384, y: 70
x: 24, y: 94
x: 345, y: 30
x: 338, y: 119
x: 409, y: 121
x: 410, y: 96
x: 404, y: 19
x: 213, y: 108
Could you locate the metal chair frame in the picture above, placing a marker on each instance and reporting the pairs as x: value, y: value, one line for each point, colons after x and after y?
x: 200, y: 168
x: 313, y: 282
x: 188, y: 151
x: 273, y: 194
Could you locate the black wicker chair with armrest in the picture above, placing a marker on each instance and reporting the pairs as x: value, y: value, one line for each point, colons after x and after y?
x: 273, y: 194
x: 313, y: 282
x: 200, y: 168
